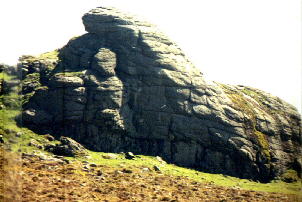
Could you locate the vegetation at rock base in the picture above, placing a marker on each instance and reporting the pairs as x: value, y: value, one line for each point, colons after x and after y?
x: 140, y: 180
x: 5, y: 76
x: 171, y: 179
x: 119, y: 178
x: 290, y: 176
x: 9, y: 97
x: 11, y: 100
x: 46, y: 178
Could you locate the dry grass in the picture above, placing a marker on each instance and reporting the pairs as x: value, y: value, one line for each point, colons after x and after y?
x: 11, y: 181
x: 42, y: 178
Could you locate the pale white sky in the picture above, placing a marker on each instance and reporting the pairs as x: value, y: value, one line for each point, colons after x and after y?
x: 250, y: 42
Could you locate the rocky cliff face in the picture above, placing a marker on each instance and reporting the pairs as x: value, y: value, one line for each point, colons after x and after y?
x: 124, y: 86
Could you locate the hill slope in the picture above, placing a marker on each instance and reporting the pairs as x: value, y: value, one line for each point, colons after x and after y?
x: 124, y: 86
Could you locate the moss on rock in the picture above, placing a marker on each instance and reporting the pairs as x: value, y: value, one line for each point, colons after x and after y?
x: 29, y: 85
x: 290, y: 176
x: 70, y: 74
x: 261, y: 138
x: 52, y: 55
x: 243, y: 104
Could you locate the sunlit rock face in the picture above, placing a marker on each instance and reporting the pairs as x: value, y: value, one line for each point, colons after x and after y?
x: 124, y: 86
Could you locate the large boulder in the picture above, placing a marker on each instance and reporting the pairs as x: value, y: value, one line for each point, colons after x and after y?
x: 67, y: 147
x: 124, y: 86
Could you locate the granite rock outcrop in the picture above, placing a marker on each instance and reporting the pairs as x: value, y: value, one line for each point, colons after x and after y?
x: 124, y: 86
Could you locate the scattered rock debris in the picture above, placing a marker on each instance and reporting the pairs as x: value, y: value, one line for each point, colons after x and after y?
x: 34, y: 177
x: 67, y: 147
x: 129, y: 155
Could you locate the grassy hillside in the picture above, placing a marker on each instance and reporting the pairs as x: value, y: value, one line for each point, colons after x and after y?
x: 11, y: 131
x: 142, y: 170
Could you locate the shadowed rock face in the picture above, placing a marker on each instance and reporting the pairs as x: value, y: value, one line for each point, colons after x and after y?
x: 125, y: 86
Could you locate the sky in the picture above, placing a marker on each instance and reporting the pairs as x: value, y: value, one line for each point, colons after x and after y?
x: 244, y: 42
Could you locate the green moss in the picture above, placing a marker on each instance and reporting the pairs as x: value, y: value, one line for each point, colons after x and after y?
x: 7, y: 119
x: 263, y: 102
x: 242, y: 104
x: 11, y: 100
x: 249, y: 92
x: 9, y: 129
x: 26, y: 97
x: 42, y: 88
x: 33, y: 80
x: 70, y: 74
x: 260, y: 98
x: 263, y: 144
x: 290, y: 176
x: 52, y: 55
x: 4, y: 76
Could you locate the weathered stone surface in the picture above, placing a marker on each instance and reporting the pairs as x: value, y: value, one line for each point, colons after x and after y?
x: 1, y: 139
x: 110, y: 156
x: 67, y: 147
x: 104, y: 62
x: 125, y: 86
x: 129, y: 155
